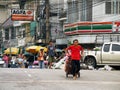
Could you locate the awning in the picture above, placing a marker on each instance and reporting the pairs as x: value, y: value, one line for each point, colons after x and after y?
x: 8, y: 23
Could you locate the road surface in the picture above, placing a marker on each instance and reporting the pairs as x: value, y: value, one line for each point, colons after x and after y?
x: 51, y: 79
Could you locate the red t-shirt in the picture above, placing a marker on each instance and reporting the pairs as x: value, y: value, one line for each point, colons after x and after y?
x: 75, y: 52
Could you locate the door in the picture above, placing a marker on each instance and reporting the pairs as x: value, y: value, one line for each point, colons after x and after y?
x: 115, y: 53
x: 105, y: 54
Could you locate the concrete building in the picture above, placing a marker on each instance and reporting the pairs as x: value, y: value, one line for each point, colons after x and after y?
x: 75, y: 11
x: 5, y: 6
x: 61, y: 12
x: 79, y: 10
x: 94, y: 11
x: 21, y: 33
x: 56, y: 29
x: 15, y: 33
x: 106, y: 10
x: 56, y: 15
x: 6, y: 28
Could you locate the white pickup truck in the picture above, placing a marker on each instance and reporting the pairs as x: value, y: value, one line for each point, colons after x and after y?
x: 109, y: 54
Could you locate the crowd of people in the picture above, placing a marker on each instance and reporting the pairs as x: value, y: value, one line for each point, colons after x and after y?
x: 41, y: 59
x: 15, y: 61
x: 45, y: 60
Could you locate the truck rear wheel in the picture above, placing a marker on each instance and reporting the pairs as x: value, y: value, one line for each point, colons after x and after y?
x: 90, y: 61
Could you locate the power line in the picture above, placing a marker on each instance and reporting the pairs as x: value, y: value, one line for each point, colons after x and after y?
x: 73, y: 9
x: 70, y: 9
x: 89, y: 6
x: 52, y: 6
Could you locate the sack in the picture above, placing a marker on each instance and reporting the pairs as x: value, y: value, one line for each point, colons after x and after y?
x: 36, y: 62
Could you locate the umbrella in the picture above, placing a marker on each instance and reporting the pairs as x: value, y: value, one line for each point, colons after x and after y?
x: 32, y: 49
x: 27, y: 54
x: 35, y: 49
x: 11, y: 50
x: 45, y: 49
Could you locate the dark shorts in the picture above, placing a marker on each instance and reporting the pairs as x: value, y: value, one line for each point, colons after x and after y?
x: 51, y: 59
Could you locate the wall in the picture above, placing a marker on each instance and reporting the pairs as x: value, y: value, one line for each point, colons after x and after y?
x: 3, y: 14
x: 83, y: 38
x: 98, y: 12
x: 56, y: 6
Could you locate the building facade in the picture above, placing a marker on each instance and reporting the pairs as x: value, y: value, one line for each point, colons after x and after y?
x: 61, y: 13
x: 16, y: 33
x: 106, y: 10
x: 79, y: 10
x: 6, y: 28
x: 82, y: 11
x: 25, y: 33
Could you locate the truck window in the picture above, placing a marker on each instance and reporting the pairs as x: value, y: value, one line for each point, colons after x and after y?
x: 106, y: 48
x: 115, y: 47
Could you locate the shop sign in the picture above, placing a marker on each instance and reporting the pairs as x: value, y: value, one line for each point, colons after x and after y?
x: 22, y: 15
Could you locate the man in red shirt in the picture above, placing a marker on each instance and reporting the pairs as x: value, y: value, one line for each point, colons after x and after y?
x: 76, y: 52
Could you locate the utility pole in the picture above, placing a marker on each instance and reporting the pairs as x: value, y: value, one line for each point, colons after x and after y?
x: 1, y: 41
x: 47, y: 22
x: 22, y: 3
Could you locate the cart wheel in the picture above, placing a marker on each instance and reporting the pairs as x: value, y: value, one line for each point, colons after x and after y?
x: 78, y: 74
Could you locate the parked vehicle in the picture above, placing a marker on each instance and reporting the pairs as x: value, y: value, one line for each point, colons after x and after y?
x: 109, y: 54
x: 1, y: 62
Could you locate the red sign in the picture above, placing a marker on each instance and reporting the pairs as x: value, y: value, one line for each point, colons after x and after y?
x: 22, y: 15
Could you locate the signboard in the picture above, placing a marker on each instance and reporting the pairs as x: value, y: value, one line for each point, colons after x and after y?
x: 16, y: 23
x: 22, y: 15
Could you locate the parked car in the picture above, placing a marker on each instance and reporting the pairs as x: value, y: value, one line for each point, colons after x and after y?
x: 1, y: 62
x: 109, y: 54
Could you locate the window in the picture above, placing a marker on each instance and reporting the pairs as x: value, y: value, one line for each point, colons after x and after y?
x: 108, y: 7
x: 115, y: 47
x: 119, y: 7
x: 20, y: 34
x: 6, y: 34
x: 72, y: 11
x: 24, y: 33
x: 13, y: 33
x: 0, y: 36
x: 112, y: 7
x: 106, y: 48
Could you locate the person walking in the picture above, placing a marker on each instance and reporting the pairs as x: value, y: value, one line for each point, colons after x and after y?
x: 76, y: 52
x: 41, y: 58
x: 51, y: 53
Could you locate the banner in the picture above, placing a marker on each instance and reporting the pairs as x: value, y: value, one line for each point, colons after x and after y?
x: 22, y: 15
x: 32, y: 28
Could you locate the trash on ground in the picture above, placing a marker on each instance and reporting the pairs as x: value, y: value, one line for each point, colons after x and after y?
x: 107, y: 68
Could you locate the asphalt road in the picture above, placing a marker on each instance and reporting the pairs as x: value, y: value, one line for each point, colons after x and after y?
x: 51, y: 79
